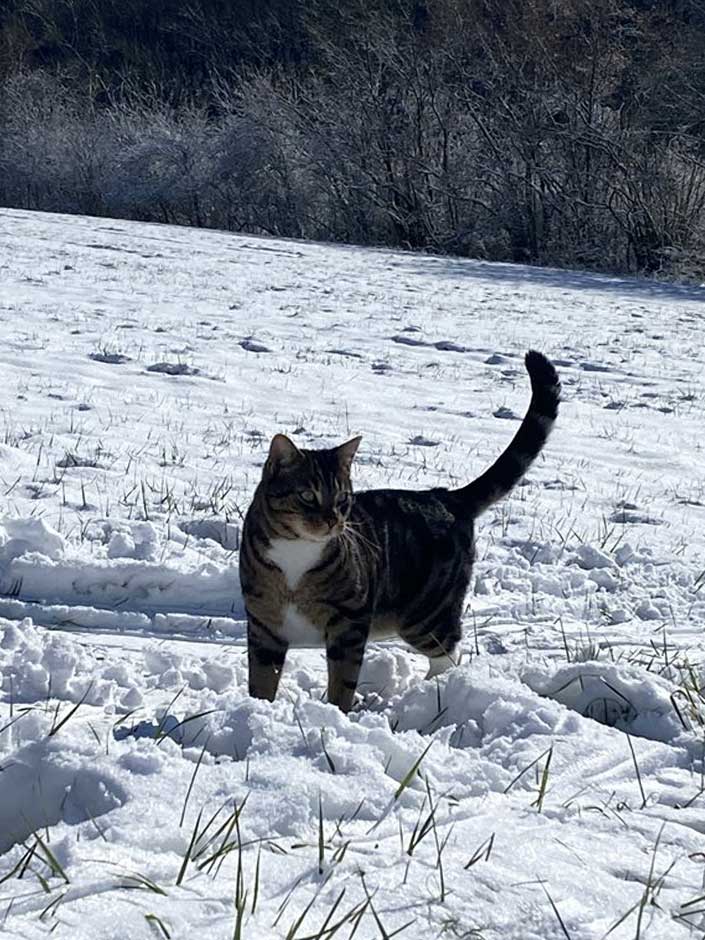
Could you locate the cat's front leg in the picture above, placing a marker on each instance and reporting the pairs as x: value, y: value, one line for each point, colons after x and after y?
x: 345, y: 650
x: 266, y: 653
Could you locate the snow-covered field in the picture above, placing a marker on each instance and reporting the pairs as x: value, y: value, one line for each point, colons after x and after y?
x: 549, y: 786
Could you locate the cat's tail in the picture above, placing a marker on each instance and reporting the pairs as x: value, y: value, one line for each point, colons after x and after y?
x: 527, y: 443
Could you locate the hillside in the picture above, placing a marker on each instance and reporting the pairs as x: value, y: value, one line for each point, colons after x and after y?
x: 549, y: 786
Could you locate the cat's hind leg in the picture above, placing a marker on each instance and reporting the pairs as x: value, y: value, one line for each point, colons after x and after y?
x: 437, y: 665
x: 437, y: 639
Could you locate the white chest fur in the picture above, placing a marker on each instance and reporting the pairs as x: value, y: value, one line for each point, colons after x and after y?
x: 294, y: 557
x: 298, y: 629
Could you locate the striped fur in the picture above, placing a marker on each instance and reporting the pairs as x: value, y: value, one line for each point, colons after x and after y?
x: 319, y: 566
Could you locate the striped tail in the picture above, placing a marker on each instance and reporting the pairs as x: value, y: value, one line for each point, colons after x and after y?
x: 527, y: 443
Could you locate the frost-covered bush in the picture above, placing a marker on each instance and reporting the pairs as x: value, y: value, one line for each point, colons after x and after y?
x: 163, y: 164
x: 55, y: 150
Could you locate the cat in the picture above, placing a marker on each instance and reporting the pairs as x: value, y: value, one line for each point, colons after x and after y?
x: 321, y: 566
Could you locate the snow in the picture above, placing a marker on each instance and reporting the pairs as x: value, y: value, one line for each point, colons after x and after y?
x: 547, y: 785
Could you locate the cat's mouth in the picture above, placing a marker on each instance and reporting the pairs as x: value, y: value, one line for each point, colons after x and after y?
x: 322, y: 533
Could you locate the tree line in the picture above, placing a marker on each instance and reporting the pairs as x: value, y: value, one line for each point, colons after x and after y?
x: 562, y: 132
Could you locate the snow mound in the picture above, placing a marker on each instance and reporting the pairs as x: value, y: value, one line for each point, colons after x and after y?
x: 29, y: 536
x: 36, y: 666
x: 45, y: 783
x: 622, y: 696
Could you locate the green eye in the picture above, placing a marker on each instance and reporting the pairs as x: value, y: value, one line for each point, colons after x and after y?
x: 343, y: 500
x: 308, y: 497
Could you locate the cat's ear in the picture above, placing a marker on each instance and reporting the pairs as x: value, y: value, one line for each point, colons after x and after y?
x: 282, y: 452
x: 347, y: 451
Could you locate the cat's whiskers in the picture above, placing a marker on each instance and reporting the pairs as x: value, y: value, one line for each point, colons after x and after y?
x: 352, y: 533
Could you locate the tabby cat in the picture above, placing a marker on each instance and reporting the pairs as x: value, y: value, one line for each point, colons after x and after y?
x: 320, y: 566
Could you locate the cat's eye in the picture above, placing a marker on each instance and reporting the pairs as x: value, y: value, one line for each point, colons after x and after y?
x: 343, y: 500
x: 308, y: 497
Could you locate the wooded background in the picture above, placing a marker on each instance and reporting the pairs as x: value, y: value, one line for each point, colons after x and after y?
x: 562, y: 132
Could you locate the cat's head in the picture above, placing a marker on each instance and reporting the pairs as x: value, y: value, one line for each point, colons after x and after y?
x: 308, y: 492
